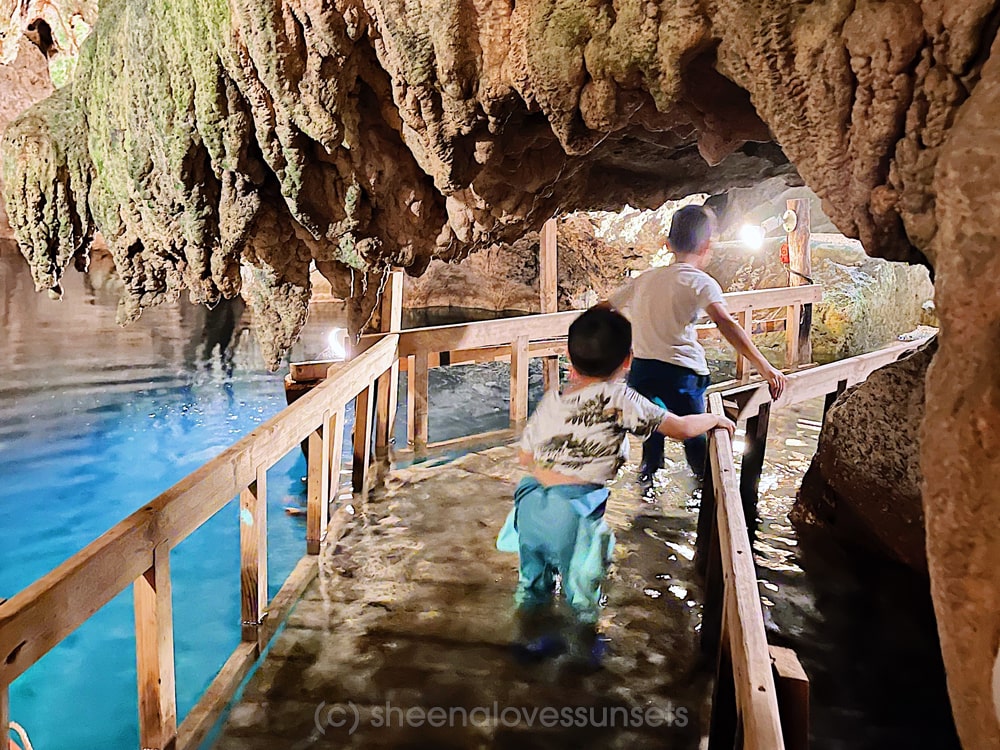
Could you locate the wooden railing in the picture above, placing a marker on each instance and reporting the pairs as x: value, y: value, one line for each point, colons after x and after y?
x: 137, y: 552
x: 747, y: 703
x: 519, y: 339
x: 745, y: 700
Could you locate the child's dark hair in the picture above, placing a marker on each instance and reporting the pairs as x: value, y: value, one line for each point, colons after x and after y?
x: 599, y: 342
x: 691, y: 228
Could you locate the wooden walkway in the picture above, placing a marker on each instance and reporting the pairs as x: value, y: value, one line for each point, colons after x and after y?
x: 413, y: 606
x: 412, y: 611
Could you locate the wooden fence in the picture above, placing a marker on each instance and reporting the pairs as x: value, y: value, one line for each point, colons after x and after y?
x: 137, y: 552
x: 749, y: 708
x: 516, y: 340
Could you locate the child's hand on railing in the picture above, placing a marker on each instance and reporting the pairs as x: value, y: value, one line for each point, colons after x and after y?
x: 727, y: 424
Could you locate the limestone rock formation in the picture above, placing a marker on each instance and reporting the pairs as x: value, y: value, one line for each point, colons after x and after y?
x: 224, y: 147
x: 57, y: 28
x: 23, y: 82
x: 865, y: 480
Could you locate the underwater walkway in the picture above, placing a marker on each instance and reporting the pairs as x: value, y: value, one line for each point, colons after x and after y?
x: 403, y: 640
x: 401, y: 604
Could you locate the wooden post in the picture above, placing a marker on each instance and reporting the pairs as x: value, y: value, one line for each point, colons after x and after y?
x: 154, y: 649
x: 420, y: 377
x: 800, y: 270
x: 411, y: 399
x: 388, y: 383
x: 725, y: 729
x: 362, y: 438
x: 318, y: 498
x: 336, y: 428
x: 753, y: 463
x: 706, y: 520
x: 792, y: 687
x: 833, y: 396
x: 548, y: 287
x: 793, y: 318
x: 745, y: 319
x: 519, y: 382
x: 4, y: 715
x: 253, y: 557
x: 708, y: 557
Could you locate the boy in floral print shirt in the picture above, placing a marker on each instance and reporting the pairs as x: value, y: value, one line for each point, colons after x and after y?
x: 574, y: 444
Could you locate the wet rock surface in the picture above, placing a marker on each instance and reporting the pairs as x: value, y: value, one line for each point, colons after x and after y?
x: 865, y: 482
x: 413, y: 610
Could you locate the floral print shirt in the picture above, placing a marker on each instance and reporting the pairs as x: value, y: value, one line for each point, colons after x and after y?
x: 582, y: 434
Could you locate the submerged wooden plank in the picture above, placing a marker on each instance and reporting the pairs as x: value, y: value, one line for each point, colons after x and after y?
x: 199, y: 722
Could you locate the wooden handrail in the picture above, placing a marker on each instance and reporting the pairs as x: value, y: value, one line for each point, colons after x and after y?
x: 745, y: 663
x: 519, y: 338
x: 816, y: 381
x: 136, y: 550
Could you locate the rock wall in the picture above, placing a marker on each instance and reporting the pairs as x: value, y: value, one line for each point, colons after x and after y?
x: 864, y: 483
x: 57, y: 28
x: 23, y: 82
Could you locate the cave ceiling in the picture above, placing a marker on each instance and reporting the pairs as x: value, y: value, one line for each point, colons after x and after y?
x: 223, y: 147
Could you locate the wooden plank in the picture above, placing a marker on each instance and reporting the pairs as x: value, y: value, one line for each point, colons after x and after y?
x: 318, y: 487
x: 793, y: 353
x: 792, y: 685
x: 548, y: 267
x: 484, y: 333
x: 832, y: 396
x: 818, y: 381
x: 706, y: 519
x: 383, y: 399
x: 519, y: 382
x: 494, y: 436
x: 489, y: 333
x: 200, y: 720
x: 753, y: 461
x: 4, y: 714
x: 548, y: 288
x: 154, y: 649
x: 35, y: 620
x: 388, y: 383
x: 420, y: 400
x: 800, y: 267
x: 317, y: 369
x: 766, y: 299
x: 213, y: 702
x: 745, y: 319
x: 411, y: 391
x: 744, y: 622
x: 724, y: 726
x: 362, y: 438
x: 336, y: 428
x: 253, y: 557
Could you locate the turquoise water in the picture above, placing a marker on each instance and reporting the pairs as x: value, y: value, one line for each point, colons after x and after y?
x: 95, y: 421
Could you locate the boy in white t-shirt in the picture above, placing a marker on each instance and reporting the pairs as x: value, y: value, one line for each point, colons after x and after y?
x: 664, y: 304
x: 574, y: 444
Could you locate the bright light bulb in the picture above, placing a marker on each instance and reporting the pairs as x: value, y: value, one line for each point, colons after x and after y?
x: 337, y: 339
x: 752, y: 235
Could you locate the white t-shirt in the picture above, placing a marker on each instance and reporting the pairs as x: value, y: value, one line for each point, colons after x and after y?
x: 663, y: 305
x: 582, y: 433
